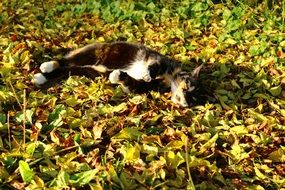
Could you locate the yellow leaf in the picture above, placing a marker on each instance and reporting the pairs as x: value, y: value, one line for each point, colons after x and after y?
x: 209, y: 143
x: 174, y: 145
x: 277, y: 155
x: 239, y: 129
x: 128, y: 134
x: 131, y: 153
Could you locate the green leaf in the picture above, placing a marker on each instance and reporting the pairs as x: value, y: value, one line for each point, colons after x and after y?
x: 258, y: 49
x: 233, y: 25
x: 151, y: 6
x: 226, y: 14
x: 275, y: 91
x: 20, y: 117
x: 138, y: 99
x: 83, y: 178
x: 31, y: 148
x: 57, y: 122
x: 200, y: 7
x: 2, y: 118
x: 58, y: 111
x: 62, y: 179
x: 26, y: 173
x: 72, y: 101
x: 113, y: 174
x: 282, y: 112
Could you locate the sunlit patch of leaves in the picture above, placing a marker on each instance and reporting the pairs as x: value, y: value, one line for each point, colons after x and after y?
x: 87, y: 133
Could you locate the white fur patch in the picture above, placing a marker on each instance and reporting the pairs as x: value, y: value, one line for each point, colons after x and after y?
x: 39, y: 79
x: 49, y: 66
x: 114, y: 76
x: 138, y: 70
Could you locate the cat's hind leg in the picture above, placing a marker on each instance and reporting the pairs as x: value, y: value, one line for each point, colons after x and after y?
x: 77, y: 62
x: 42, y: 78
x: 45, y: 68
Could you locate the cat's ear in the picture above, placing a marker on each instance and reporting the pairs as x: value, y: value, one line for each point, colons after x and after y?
x: 196, y: 71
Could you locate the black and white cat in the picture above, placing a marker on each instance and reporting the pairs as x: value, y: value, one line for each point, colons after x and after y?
x: 129, y: 65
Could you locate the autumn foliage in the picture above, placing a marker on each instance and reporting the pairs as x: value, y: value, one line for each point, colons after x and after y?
x: 88, y: 134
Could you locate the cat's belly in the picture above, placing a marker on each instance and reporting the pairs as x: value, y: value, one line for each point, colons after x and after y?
x: 138, y: 70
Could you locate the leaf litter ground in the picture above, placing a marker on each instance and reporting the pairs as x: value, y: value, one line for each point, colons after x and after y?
x: 88, y: 134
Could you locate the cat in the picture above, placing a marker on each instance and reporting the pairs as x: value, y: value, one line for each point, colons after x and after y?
x: 131, y: 65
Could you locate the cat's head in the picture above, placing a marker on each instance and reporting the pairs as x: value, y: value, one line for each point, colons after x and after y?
x: 186, y: 84
x: 192, y: 80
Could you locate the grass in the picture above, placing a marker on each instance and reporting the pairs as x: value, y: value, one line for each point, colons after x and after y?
x: 88, y: 134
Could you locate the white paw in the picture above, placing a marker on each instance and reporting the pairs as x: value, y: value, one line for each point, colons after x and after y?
x: 114, y: 76
x: 49, y: 66
x: 39, y: 79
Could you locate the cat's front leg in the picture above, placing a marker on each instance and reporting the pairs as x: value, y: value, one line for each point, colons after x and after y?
x: 178, y: 96
x: 114, y: 78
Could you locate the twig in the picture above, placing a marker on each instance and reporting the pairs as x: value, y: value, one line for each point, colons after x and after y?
x: 283, y: 14
x: 15, y: 140
x: 14, y: 92
x: 190, y: 181
x: 9, y: 132
x: 24, y: 119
